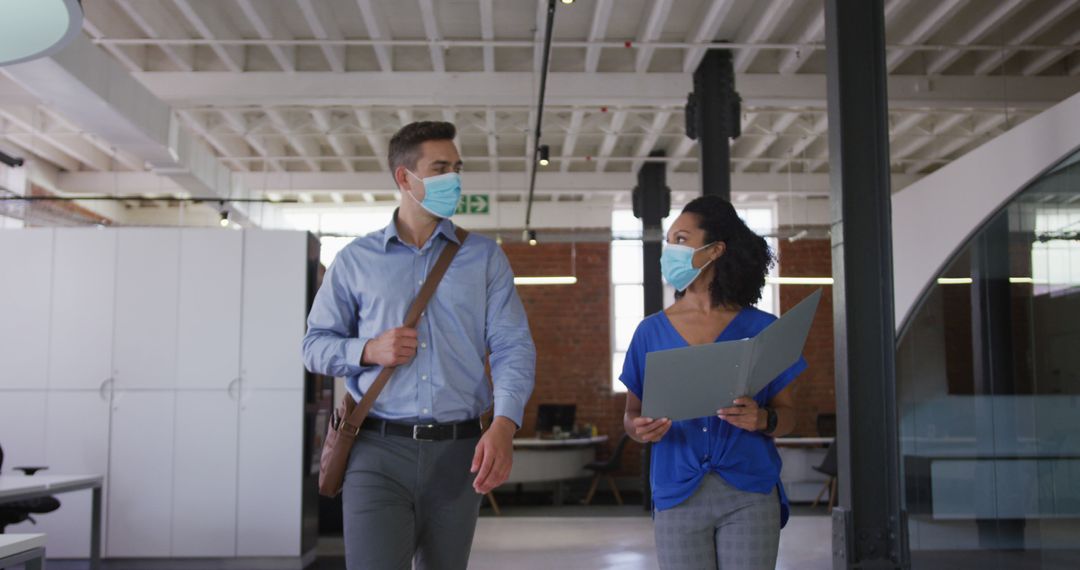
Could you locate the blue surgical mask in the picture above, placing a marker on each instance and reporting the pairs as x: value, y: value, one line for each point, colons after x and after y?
x: 441, y: 193
x: 677, y: 265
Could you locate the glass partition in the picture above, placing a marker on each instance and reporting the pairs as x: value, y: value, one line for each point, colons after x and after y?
x: 988, y: 381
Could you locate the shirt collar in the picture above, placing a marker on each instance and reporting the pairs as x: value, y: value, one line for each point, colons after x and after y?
x: 445, y: 228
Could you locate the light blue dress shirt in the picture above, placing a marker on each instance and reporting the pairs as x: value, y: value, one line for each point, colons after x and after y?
x: 475, y: 309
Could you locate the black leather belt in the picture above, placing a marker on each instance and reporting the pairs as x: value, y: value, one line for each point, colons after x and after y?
x: 467, y: 429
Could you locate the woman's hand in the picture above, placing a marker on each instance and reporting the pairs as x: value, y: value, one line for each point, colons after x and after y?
x: 648, y: 430
x: 745, y: 414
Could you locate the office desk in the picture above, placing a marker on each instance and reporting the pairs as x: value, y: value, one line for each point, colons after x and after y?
x: 28, y: 549
x: 800, y: 455
x: 21, y: 487
x: 553, y: 460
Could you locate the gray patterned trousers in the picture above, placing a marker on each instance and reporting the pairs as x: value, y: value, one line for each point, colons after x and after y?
x: 719, y: 527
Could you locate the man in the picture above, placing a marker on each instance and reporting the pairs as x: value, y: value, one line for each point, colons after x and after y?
x: 412, y: 492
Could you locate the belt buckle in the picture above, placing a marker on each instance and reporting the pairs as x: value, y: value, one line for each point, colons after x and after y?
x: 416, y: 432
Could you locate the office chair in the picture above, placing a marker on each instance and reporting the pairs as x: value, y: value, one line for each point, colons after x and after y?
x: 605, y: 469
x: 15, y: 512
x: 828, y: 467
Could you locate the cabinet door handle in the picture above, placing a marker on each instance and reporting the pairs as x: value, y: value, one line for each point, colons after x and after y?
x: 234, y: 388
x: 105, y: 390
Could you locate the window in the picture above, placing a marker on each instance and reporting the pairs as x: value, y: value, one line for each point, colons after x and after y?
x: 628, y: 290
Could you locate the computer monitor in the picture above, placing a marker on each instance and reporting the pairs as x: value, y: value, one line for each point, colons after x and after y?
x: 550, y: 415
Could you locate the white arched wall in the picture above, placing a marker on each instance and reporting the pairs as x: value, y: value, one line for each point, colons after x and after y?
x: 933, y: 217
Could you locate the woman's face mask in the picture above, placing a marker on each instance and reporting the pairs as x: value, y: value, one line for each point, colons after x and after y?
x: 677, y: 265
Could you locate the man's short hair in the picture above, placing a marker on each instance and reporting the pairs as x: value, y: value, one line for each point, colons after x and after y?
x: 405, y: 145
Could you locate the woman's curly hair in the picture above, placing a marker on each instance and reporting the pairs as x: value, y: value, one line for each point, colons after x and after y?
x: 740, y: 273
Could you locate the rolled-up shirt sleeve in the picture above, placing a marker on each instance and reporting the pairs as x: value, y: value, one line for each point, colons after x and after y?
x: 513, y: 354
x: 331, y: 346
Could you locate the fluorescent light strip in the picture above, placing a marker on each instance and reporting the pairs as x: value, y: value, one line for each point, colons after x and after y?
x: 554, y: 280
x: 799, y: 280
x: 968, y: 281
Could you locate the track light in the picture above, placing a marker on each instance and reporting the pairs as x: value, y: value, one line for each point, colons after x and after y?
x: 12, y: 161
x: 225, y: 219
x: 545, y: 155
x: 568, y: 2
x: 532, y: 237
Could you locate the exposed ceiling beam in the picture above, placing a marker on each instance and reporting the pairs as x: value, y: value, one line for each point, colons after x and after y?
x: 660, y: 121
x: 907, y: 123
x: 817, y: 130
x: 952, y: 146
x: 989, y: 21
x: 44, y: 150
x: 928, y: 25
x: 377, y: 31
x: 618, y: 119
x: 597, y: 31
x: 582, y: 89
x: 502, y: 183
x: 304, y: 146
x: 321, y: 21
x: 265, y: 146
x: 71, y: 144
x: 268, y: 25
x: 104, y: 20
x: 943, y: 126
x: 224, y: 148
x: 707, y: 28
x: 761, y: 146
x: 1039, y: 63
x: 375, y: 140
x: 156, y: 24
x: 487, y: 31
x: 1045, y: 21
x: 680, y: 152
x: 814, y: 32
x: 213, y: 24
x: 431, y: 30
x: 341, y: 144
x: 130, y: 161
x: 763, y: 30
x: 570, y: 140
x: 654, y: 26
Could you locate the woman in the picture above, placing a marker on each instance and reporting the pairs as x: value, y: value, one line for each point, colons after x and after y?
x: 715, y: 480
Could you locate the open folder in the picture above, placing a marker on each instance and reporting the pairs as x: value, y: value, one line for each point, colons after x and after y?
x: 695, y: 381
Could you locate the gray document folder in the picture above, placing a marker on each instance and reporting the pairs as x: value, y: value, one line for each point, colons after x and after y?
x: 695, y: 381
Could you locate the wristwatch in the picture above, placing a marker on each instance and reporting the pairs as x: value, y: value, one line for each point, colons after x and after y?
x: 770, y: 423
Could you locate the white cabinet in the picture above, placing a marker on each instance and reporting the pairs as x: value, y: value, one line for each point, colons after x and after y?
x: 147, y: 272
x: 76, y: 442
x: 209, y: 328
x: 140, y: 474
x: 204, y: 477
x: 26, y: 279
x: 275, y: 282
x: 81, y: 326
x: 269, y: 483
x: 23, y: 413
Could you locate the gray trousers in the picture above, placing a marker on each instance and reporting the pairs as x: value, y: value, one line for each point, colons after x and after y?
x: 409, y: 501
x: 719, y: 526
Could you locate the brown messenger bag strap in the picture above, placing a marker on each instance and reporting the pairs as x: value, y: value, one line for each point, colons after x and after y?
x: 418, y: 306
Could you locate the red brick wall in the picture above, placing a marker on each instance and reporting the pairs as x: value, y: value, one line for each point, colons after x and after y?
x: 815, y: 389
x: 571, y: 326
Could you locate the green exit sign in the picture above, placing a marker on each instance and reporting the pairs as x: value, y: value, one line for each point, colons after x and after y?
x: 473, y: 204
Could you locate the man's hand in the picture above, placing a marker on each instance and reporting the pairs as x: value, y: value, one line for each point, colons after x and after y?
x: 494, y: 456
x: 745, y: 414
x: 392, y: 348
x: 648, y: 430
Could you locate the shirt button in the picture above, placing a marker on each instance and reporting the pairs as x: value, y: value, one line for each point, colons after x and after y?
x: 423, y: 345
x: 420, y: 282
x: 424, y: 377
x: 424, y: 411
x: 704, y: 429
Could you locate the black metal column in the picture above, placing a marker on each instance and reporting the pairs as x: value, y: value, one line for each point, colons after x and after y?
x: 714, y: 118
x: 869, y: 528
x: 652, y: 203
